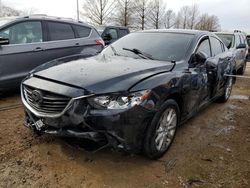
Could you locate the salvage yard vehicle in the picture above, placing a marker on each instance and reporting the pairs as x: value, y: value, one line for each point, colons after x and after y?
x: 112, y: 33
x: 237, y: 43
x: 248, y: 42
x: 134, y: 94
x: 27, y: 42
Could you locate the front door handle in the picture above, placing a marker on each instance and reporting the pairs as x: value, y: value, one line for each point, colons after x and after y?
x: 38, y: 49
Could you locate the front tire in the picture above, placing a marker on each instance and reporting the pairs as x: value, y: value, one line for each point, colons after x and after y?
x: 161, y: 132
x: 228, y: 90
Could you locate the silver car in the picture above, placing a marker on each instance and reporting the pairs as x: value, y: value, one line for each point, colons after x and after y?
x: 27, y: 42
x: 236, y: 42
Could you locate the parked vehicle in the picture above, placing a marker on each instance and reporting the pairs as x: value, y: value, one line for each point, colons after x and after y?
x: 236, y: 42
x: 112, y: 33
x: 27, y: 42
x: 248, y: 42
x: 133, y: 95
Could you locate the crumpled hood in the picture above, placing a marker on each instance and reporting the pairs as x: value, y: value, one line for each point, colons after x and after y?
x: 101, y: 74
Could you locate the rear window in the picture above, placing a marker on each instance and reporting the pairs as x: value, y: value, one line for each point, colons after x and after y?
x: 60, y: 31
x: 228, y: 39
x: 100, y: 29
x: 160, y: 46
x: 82, y: 31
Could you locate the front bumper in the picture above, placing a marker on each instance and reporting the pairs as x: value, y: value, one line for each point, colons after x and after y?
x: 121, y: 129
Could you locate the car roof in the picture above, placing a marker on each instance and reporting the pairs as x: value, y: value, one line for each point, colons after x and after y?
x: 230, y: 33
x: 119, y: 27
x: 184, y: 31
x: 48, y: 18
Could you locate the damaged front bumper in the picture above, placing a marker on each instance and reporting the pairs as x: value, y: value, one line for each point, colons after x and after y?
x: 121, y: 129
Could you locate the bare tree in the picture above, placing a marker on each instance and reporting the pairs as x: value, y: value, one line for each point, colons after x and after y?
x: 142, y: 11
x: 208, y: 23
x: 178, y: 20
x: 157, y: 13
x: 183, y: 16
x: 29, y: 11
x: 169, y: 19
x: 194, y: 14
x: 98, y: 12
x: 124, y: 15
x: 8, y: 11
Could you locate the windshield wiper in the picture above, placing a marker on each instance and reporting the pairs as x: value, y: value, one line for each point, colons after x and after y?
x: 139, y: 53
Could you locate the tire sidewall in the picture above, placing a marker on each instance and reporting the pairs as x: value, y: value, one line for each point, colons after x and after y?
x: 150, y: 148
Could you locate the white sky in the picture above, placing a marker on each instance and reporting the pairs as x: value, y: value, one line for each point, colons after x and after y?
x: 233, y: 14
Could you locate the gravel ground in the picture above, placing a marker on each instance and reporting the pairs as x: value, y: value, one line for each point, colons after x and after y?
x: 210, y: 150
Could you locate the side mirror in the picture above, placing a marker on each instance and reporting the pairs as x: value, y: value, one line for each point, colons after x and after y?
x: 4, y: 41
x: 241, y: 46
x: 200, y: 57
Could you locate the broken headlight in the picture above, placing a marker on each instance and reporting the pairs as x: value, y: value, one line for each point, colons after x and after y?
x: 114, y: 102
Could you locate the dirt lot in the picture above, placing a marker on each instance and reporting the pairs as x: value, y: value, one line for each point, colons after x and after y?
x: 211, y: 150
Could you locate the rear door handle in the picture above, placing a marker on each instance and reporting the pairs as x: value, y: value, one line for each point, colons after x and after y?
x: 38, y: 49
x: 77, y: 44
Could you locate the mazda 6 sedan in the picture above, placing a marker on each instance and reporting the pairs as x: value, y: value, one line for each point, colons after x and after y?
x: 133, y: 95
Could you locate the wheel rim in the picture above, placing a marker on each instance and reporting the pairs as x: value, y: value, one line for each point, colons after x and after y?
x: 166, y: 129
x: 229, y: 88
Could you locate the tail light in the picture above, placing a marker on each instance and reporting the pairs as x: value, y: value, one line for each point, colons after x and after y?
x: 100, y: 42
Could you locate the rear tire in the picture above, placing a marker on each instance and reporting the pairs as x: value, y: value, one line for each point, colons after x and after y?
x: 242, y: 70
x: 161, y: 132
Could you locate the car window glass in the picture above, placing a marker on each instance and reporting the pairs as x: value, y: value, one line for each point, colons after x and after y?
x: 82, y: 31
x: 243, y: 39
x: 248, y: 40
x: 123, y: 32
x: 60, y: 31
x: 205, y: 47
x: 228, y: 39
x: 216, y: 46
x: 237, y: 40
x: 113, y: 33
x: 23, y: 33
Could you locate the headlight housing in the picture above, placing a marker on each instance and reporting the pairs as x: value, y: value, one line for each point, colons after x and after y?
x: 119, y: 102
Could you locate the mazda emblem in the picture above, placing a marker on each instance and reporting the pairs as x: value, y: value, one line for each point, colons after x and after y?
x: 37, y: 97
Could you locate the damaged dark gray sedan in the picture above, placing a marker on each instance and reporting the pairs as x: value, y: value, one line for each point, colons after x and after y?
x: 134, y: 94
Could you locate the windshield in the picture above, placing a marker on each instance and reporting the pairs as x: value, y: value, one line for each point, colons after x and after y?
x: 100, y: 29
x: 227, y: 39
x: 160, y: 46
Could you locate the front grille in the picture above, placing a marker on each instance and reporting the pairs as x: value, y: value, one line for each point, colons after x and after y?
x: 48, y: 103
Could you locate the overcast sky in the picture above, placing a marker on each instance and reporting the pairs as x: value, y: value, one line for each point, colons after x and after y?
x: 233, y: 14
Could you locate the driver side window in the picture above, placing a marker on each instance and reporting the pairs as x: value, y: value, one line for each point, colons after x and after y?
x: 204, y: 47
x: 23, y: 33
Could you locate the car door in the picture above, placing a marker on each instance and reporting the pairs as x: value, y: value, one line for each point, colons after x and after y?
x: 61, y: 40
x: 195, y: 81
x: 89, y: 40
x: 239, y: 53
x: 22, y: 54
x: 217, y: 66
